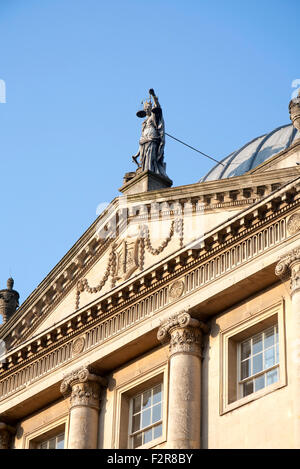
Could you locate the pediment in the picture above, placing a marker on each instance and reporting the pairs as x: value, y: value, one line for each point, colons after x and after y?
x: 132, y: 235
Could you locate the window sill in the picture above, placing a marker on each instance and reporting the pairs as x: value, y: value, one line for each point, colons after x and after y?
x: 153, y: 443
x: 252, y: 397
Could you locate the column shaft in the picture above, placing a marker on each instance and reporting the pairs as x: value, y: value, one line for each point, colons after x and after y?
x: 184, y: 409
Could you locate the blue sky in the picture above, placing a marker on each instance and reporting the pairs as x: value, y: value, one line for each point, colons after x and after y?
x: 76, y: 72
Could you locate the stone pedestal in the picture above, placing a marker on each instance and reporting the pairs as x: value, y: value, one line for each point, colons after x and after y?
x: 6, y: 432
x: 84, y: 388
x: 184, y: 413
x: 145, y: 181
x: 289, y: 268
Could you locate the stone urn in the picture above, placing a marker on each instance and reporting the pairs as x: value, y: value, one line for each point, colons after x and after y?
x: 294, y: 108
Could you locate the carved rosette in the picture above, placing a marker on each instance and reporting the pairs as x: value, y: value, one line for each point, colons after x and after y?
x: 176, y: 289
x: 293, y: 224
x: 83, y: 387
x: 289, y: 267
x: 183, y: 332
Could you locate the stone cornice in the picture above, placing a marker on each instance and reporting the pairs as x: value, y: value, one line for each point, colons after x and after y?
x: 142, y: 287
x: 32, y: 312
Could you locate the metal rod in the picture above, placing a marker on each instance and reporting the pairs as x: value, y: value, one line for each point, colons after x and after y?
x: 198, y: 151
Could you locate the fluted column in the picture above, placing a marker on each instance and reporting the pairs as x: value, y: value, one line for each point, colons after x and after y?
x: 6, y: 432
x: 184, y: 413
x: 84, y: 390
x: 289, y: 268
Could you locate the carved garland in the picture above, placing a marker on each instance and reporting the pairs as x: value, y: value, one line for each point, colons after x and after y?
x: 144, y: 242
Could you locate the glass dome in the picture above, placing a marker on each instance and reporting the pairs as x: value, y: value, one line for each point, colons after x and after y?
x: 253, y: 153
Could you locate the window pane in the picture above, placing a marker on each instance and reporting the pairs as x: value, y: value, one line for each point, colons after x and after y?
x: 269, y: 357
x: 272, y: 376
x: 245, y: 370
x: 277, y: 354
x: 157, y: 394
x: 137, y: 404
x: 269, y: 338
x: 156, y: 413
x: 257, y: 363
x: 60, y: 442
x: 246, y: 349
x: 146, y: 399
x: 259, y: 383
x: 257, y: 344
x: 148, y: 436
x: 136, y: 420
x: 158, y: 431
x: 146, y: 418
x: 137, y: 440
x: 52, y: 444
x: 248, y: 388
x: 44, y: 445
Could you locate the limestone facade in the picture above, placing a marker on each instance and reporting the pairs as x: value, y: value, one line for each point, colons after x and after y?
x: 173, y: 319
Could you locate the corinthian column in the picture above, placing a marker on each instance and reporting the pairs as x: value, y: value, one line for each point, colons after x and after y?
x: 289, y: 268
x: 84, y: 390
x: 6, y: 432
x: 184, y: 414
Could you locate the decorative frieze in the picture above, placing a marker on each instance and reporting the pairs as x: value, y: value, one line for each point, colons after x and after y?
x: 130, y: 306
x: 91, y: 252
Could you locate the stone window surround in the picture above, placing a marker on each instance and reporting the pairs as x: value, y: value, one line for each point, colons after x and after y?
x: 126, y: 391
x: 57, y: 426
x: 230, y: 339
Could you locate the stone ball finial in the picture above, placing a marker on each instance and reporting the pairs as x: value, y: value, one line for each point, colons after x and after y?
x: 10, y: 283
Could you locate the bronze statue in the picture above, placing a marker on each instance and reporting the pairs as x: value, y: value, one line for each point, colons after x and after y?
x: 152, y: 141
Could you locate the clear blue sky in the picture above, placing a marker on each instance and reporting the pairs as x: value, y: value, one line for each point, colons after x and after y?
x: 76, y: 72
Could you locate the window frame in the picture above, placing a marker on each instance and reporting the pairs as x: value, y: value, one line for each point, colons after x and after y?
x: 231, y: 337
x: 131, y: 434
x: 123, y: 395
x: 49, y: 438
x: 33, y: 439
x: 264, y: 371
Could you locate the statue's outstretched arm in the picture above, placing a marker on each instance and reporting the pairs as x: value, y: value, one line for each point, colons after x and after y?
x: 155, y: 98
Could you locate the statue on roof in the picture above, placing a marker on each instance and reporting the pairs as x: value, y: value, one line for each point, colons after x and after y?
x: 152, y: 141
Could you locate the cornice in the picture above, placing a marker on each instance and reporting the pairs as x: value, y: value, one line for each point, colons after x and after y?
x: 163, y: 275
x: 85, y: 253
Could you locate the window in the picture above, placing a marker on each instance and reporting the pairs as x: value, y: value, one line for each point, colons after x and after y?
x: 259, y: 361
x: 141, y: 408
x: 56, y: 442
x: 146, y: 417
x: 253, y: 356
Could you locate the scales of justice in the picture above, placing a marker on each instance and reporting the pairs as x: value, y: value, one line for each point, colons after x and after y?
x: 151, y: 168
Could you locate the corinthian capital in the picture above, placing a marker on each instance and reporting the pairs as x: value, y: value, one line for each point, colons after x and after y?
x: 83, y: 387
x: 183, y: 332
x: 289, y: 267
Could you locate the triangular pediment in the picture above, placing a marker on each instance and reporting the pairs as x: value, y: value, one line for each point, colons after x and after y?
x: 131, y: 236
